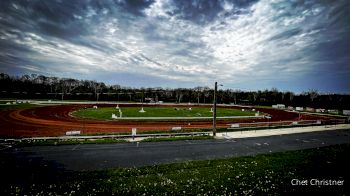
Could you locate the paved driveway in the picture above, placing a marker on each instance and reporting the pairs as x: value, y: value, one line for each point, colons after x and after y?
x: 103, y: 156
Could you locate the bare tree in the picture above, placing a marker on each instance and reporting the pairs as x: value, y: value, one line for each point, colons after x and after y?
x: 68, y: 85
x: 198, y: 90
x: 179, y: 95
x: 313, y: 93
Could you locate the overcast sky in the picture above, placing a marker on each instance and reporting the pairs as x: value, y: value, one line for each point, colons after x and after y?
x: 243, y: 44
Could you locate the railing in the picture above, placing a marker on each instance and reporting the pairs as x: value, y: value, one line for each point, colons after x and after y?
x: 276, y: 124
x: 111, y: 136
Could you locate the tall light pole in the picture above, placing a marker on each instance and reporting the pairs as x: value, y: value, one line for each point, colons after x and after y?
x: 84, y: 119
x: 214, y: 107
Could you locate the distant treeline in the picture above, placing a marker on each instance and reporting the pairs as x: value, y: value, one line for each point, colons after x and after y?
x: 42, y: 87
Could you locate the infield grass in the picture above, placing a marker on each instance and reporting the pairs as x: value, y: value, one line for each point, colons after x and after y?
x: 106, y: 113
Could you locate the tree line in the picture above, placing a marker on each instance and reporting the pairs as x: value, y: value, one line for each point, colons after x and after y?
x: 43, y: 87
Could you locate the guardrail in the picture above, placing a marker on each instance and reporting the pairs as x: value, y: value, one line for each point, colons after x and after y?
x: 110, y: 136
x: 271, y: 125
x: 284, y: 124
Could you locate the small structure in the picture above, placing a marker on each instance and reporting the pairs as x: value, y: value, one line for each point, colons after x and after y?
x: 95, y: 106
x: 310, y: 109
x: 346, y: 112
x: 117, y: 107
x: 133, y: 132
x: 257, y: 113
x: 299, y: 108
x: 190, y: 109
x: 120, y: 114
x: 236, y: 125
x: 142, y: 111
x: 333, y: 111
x: 320, y: 110
x: 73, y: 133
x: 8, y: 103
x: 279, y: 106
x: 176, y: 128
x: 242, y: 110
x: 211, y: 110
x: 114, y: 116
x: 253, y: 110
x: 290, y: 108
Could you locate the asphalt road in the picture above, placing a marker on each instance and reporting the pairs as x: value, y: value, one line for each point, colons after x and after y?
x: 103, y: 156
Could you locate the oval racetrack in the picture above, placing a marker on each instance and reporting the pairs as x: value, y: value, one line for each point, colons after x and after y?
x: 56, y: 121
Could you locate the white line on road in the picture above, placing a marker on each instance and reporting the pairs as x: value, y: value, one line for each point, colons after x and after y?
x: 6, y: 147
x: 75, y: 147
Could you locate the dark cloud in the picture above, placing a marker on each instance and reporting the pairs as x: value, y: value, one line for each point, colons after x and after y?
x: 180, y: 40
x: 51, y: 18
x: 203, y: 11
x: 136, y: 6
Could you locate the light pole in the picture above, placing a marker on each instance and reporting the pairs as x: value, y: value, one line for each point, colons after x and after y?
x: 214, y: 107
x: 84, y: 119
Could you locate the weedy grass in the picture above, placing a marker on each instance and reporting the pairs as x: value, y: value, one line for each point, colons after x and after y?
x: 54, y: 142
x: 266, y: 174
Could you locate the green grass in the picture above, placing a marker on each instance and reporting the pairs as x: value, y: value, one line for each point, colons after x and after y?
x: 158, y: 131
x: 201, y: 137
x: 55, y: 142
x: 19, y: 106
x: 106, y: 113
x: 268, y: 174
x: 66, y: 142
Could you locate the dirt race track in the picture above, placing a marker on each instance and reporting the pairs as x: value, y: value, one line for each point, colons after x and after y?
x: 56, y: 121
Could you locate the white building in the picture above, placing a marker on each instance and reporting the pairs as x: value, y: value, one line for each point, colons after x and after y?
x: 346, y: 112
x: 333, y: 111
x: 299, y: 108
x: 320, y: 110
x: 310, y: 109
x: 279, y: 106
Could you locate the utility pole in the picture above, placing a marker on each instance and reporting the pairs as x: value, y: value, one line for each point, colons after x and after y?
x: 84, y: 119
x: 214, y: 107
x: 142, y: 100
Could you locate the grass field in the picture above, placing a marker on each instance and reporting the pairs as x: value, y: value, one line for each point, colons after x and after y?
x: 106, y: 113
x: 19, y: 106
x: 54, y: 142
x: 268, y: 174
x: 66, y: 142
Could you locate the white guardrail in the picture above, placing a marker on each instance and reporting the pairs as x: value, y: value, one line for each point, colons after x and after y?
x: 115, y: 136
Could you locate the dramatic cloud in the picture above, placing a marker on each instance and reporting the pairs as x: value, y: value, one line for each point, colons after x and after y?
x: 292, y: 45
